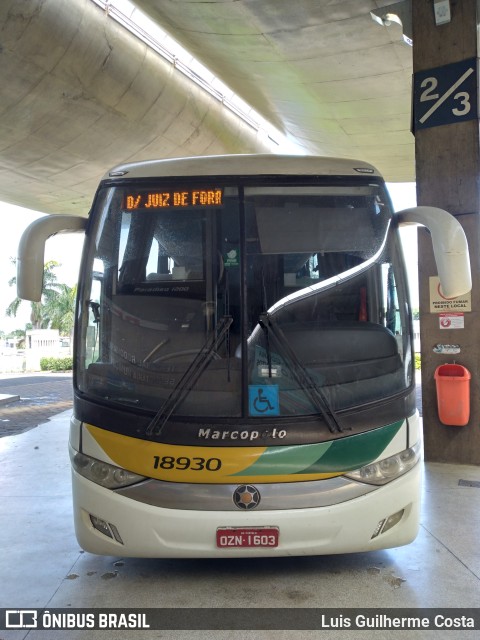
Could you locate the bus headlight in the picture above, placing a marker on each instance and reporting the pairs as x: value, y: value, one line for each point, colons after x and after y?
x: 388, y: 469
x: 102, y: 473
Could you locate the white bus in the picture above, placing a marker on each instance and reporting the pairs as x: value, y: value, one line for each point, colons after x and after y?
x: 243, y: 370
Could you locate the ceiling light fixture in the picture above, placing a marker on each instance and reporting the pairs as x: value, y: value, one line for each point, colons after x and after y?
x: 399, y: 12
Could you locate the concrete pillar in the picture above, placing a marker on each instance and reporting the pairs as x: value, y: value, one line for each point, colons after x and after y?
x: 447, y: 173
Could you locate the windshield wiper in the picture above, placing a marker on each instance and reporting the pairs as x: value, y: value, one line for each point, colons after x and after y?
x: 189, y: 378
x: 303, y: 378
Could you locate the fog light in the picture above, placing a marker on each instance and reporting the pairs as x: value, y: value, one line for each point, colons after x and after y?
x: 107, y: 528
x: 378, y: 528
x: 387, y: 523
x: 101, y: 525
x: 393, y: 520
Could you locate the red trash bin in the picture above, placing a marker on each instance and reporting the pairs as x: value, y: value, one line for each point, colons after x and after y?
x: 453, y: 394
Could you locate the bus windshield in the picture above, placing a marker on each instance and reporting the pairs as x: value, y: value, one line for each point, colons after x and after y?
x: 243, y: 297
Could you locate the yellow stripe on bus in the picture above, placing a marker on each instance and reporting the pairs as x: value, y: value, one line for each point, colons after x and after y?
x: 181, y: 463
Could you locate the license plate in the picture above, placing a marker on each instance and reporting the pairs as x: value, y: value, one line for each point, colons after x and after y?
x: 240, y: 537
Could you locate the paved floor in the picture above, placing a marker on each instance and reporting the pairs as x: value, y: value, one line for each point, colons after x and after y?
x: 41, y: 396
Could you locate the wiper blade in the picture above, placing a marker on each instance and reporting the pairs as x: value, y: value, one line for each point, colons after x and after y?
x: 301, y: 375
x: 189, y: 378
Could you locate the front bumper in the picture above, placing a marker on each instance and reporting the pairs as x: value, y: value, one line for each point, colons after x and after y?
x: 158, y: 532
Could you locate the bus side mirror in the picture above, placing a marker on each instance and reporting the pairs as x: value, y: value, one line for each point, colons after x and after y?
x: 450, y: 247
x: 31, y: 251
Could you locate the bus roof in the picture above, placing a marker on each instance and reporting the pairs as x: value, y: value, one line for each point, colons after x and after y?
x: 260, y: 164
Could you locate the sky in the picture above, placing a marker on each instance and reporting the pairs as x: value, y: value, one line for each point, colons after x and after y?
x: 66, y: 250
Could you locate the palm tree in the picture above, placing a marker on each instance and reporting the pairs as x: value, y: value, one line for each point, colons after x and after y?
x: 39, y: 310
x: 59, y: 307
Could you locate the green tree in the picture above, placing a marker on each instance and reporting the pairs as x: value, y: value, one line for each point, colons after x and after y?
x: 59, y: 308
x: 42, y: 312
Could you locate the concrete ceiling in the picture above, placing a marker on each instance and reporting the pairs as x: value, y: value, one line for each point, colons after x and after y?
x: 80, y: 93
x: 321, y: 70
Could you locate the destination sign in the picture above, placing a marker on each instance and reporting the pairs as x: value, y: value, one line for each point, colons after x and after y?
x: 172, y: 199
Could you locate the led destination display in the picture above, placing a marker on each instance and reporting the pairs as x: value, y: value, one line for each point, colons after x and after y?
x: 171, y: 199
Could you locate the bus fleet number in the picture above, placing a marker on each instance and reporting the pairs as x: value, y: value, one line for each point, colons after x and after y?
x: 182, y: 463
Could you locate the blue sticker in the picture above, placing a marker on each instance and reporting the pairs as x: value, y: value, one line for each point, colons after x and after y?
x: 263, y: 400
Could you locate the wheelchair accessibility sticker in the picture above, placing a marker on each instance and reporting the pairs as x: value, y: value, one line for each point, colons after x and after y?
x: 263, y: 400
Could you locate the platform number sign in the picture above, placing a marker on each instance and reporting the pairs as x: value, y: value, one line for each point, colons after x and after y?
x: 445, y: 95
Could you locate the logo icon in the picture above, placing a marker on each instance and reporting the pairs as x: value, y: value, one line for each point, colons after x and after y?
x: 246, y: 497
x: 21, y: 619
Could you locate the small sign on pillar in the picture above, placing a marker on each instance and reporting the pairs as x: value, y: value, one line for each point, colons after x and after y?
x: 445, y: 95
x: 439, y: 303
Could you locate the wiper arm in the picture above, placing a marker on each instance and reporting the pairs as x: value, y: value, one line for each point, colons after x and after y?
x: 301, y: 375
x: 189, y: 378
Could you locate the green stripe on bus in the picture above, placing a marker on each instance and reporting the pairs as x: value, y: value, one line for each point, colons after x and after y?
x: 344, y: 454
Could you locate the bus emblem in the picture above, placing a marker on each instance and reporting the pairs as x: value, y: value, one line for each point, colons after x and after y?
x: 246, y: 497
